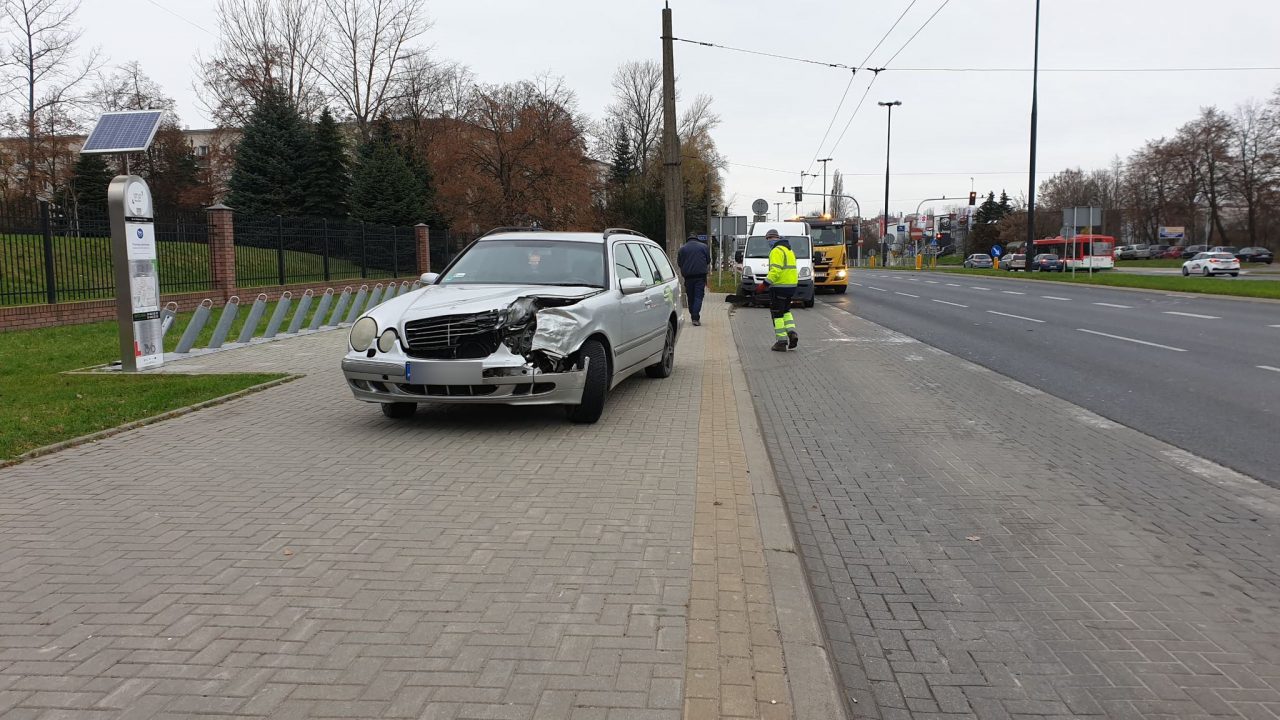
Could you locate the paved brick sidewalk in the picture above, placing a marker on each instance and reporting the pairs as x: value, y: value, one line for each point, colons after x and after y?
x: 294, y: 554
x: 981, y: 549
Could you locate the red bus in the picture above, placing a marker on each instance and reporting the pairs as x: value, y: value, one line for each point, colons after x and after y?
x: 1083, y: 252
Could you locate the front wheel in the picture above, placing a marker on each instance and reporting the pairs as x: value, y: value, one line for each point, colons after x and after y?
x: 1185, y: 272
x: 663, y: 367
x: 596, y: 387
x: 399, y: 410
x: 809, y: 303
x: 841, y: 289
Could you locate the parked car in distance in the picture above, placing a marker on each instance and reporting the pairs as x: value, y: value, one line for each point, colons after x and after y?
x: 978, y: 260
x: 1224, y: 248
x: 1016, y: 261
x: 1046, y: 262
x: 1121, y: 252
x: 1255, y: 254
x: 522, y: 317
x: 1209, y: 264
x: 1172, y: 252
x: 1156, y: 251
x: 1139, y: 252
x: 1191, y: 251
x: 946, y: 250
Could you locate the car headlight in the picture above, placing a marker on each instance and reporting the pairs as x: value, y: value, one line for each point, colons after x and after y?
x: 387, y: 340
x: 519, y: 312
x: 363, y: 333
x: 806, y: 272
x: 840, y: 274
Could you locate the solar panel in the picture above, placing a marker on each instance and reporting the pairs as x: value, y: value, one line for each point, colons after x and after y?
x: 124, y: 131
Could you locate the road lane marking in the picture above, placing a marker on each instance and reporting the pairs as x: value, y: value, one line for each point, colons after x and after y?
x: 994, y: 312
x: 1012, y: 292
x: 975, y: 287
x: 952, y: 285
x: 1268, y: 367
x: 944, y: 302
x: 895, y: 292
x: 854, y: 283
x: 932, y: 282
x: 1053, y: 297
x: 873, y: 287
x: 1192, y: 315
x: 1273, y: 326
x: 1132, y: 340
x: 1122, y: 307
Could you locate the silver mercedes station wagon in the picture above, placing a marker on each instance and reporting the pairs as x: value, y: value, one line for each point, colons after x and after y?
x: 523, y: 317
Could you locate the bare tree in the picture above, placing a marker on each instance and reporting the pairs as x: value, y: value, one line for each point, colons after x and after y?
x: 369, y: 45
x: 697, y: 120
x: 1203, y: 145
x: 263, y: 43
x: 41, y: 68
x: 637, y: 106
x: 838, y: 203
x: 129, y: 88
x: 1256, y: 155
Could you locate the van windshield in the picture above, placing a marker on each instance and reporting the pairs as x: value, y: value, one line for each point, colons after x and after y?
x: 758, y: 247
x: 833, y: 235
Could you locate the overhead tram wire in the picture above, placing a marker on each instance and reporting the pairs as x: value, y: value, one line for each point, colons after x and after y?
x: 840, y: 66
x: 880, y: 70
x: 853, y: 74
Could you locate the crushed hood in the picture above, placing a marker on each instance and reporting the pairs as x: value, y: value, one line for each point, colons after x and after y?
x: 462, y: 299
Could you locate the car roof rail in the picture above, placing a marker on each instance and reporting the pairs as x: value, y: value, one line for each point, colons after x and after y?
x: 514, y: 228
x: 623, y: 231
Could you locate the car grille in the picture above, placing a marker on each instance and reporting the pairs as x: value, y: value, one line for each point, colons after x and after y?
x: 454, y: 337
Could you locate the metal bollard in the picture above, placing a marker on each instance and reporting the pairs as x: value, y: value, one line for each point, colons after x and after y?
x: 255, y: 316
x: 198, y: 319
x: 320, y: 311
x: 404, y: 288
x: 375, y: 297
x: 416, y: 285
x: 224, y: 322
x: 357, y: 305
x: 167, y: 317
x: 336, y: 318
x: 277, y: 317
x: 301, y: 313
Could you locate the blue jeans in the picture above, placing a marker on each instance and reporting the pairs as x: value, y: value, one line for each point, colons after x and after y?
x: 696, y: 287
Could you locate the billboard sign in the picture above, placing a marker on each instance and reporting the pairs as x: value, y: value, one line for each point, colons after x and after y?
x: 1176, y: 233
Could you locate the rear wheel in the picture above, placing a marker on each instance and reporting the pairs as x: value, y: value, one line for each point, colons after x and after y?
x: 663, y: 367
x: 596, y: 387
x: 399, y: 410
x: 1235, y: 274
x: 1207, y: 272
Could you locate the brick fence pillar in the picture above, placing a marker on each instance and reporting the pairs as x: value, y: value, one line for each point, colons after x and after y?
x: 422, y: 237
x: 222, y: 246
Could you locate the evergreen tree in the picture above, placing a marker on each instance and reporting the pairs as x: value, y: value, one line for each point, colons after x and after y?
x: 326, y: 177
x: 384, y: 186
x: 1005, y: 205
x: 170, y: 168
x: 988, y: 211
x: 624, y: 162
x: 270, y: 160
x: 88, y: 188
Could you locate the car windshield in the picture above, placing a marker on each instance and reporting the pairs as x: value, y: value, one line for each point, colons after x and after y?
x: 529, y: 262
x: 827, y: 235
x: 758, y: 247
x: 1048, y: 257
x: 981, y: 257
x: 1223, y: 256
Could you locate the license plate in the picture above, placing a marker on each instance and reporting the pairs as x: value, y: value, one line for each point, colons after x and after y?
x: 443, y: 372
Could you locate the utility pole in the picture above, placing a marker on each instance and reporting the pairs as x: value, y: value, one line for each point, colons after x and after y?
x: 824, y: 162
x: 674, y: 188
x: 777, y: 212
x: 1031, y: 180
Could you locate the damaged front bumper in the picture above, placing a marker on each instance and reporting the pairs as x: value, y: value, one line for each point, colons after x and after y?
x: 502, y: 378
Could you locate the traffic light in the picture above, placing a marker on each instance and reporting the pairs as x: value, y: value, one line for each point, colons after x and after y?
x: 857, y: 231
x: 799, y: 193
x: 973, y: 198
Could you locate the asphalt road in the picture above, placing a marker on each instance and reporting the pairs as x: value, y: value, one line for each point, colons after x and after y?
x: 1198, y: 372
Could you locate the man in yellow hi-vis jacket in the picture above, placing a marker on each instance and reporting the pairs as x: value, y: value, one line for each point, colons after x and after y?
x: 781, y: 283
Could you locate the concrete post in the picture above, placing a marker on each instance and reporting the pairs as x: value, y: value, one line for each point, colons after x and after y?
x: 422, y: 239
x: 222, y: 246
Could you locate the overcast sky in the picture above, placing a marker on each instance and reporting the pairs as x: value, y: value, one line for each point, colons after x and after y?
x: 950, y: 127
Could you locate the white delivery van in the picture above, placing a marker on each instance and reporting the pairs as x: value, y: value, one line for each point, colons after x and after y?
x: 755, y: 258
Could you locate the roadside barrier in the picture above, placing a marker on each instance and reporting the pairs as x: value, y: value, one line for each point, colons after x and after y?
x: 348, y: 307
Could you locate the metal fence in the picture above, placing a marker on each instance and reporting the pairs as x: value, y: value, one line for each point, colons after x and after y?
x: 278, y: 251
x: 51, y: 254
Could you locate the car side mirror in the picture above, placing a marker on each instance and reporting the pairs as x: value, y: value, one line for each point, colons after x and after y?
x: 429, y: 278
x: 631, y: 286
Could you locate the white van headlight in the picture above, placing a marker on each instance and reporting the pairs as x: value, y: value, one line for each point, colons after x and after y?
x: 363, y: 333
x: 806, y: 272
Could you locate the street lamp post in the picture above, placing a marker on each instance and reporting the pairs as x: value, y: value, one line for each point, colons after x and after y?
x: 888, y: 137
x: 1031, y: 179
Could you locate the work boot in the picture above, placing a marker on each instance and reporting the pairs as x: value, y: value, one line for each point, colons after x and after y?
x: 780, y: 346
x: 792, y: 339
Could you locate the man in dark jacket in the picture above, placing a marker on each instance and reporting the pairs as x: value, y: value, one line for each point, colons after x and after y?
x: 694, y: 260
